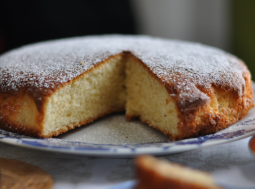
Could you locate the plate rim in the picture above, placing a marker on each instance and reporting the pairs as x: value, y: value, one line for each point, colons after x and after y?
x: 122, y: 151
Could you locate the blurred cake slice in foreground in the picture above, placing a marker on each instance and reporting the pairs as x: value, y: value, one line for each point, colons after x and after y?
x: 159, y: 174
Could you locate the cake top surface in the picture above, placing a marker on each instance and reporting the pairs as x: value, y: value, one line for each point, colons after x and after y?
x: 186, y: 65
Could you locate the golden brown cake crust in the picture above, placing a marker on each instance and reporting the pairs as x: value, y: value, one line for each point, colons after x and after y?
x: 199, y: 78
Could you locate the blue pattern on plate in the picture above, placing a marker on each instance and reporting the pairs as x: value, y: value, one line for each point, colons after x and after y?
x: 128, y: 150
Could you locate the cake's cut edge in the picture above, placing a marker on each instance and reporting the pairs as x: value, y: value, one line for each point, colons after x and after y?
x: 149, y: 100
x: 94, y: 94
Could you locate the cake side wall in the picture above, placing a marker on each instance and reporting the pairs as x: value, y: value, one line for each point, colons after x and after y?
x: 224, y: 108
x: 20, y: 114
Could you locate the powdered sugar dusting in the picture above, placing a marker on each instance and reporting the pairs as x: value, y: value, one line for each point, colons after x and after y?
x: 185, y: 65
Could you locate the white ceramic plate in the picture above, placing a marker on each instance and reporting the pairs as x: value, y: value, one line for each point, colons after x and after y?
x: 112, y: 136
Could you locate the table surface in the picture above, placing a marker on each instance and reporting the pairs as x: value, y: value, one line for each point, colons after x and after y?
x: 230, y: 164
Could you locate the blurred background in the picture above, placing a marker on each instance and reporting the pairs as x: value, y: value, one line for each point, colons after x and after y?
x: 226, y: 24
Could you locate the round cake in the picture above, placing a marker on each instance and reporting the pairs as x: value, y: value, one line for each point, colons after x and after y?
x: 180, y: 88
